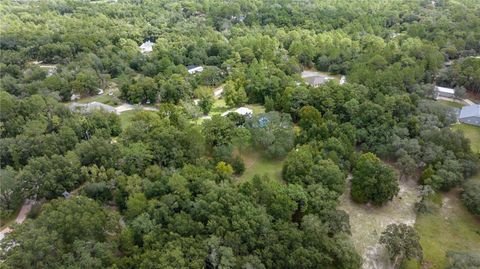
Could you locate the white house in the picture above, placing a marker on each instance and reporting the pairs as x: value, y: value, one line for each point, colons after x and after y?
x: 244, y: 111
x: 444, y: 92
x: 146, y: 47
x: 195, y: 69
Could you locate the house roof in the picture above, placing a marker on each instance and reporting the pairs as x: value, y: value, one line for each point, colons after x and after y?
x: 241, y: 110
x: 317, y: 80
x: 193, y: 69
x: 445, y: 90
x: 147, y: 46
x: 470, y: 111
x: 91, y: 106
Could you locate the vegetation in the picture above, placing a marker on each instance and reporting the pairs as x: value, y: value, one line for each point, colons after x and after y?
x: 373, y: 181
x: 402, y: 242
x: 172, y: 179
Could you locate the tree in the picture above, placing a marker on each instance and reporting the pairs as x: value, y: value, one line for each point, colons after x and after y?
x: 234, y: 95
x: 373, y: 180
x: 471, y: 196
x: 77, y: 226
x: 241, y: 138
x: 98, y: 151
x: 49, y: 177
x: 205, y: 97
x: 136, y: 204
x: 86, y: 82
x: 218, y: 131
x: 272, y: 132
x: 402, y: 242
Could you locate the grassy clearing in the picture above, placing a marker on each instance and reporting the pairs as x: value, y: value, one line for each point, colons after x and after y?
x: 256, y: 164
x: 450, y: 104
x: 5, y: 222
x: 127, y: 116
x: 368, y: 222
x: 471, y: 132
x: 218, y: 107
x: 451, y: 227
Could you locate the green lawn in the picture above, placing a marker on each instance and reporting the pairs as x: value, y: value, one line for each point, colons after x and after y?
x: 451, y: 104
x: 256, y: 164
x: 127, y: 116
x: 218, y: 107
x: 451, y: 227
x: 471, y: 132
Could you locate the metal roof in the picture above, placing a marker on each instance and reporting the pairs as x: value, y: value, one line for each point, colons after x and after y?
x: 470, y: 111
x: 445, y: 90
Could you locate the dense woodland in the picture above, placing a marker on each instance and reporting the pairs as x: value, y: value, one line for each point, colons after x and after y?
x: 162, y: 192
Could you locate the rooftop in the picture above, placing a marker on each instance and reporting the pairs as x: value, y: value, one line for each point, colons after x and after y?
x: 445, y: 90
x: 89, y: 107
x: 470, y: 111
x: 147, y: 46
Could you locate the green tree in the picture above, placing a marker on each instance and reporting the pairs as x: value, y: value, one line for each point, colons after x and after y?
x: 234, y: 95
x: 373, y: 180
x: 86, y: 82
x: 206, y: 99
x: 402, y: 242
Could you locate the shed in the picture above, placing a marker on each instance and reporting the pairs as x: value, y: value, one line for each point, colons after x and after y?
x: 316, y: 81
x: 244, y: 111
x: 444, y: 92
x: 194, y: 69
x: 147, y: 47
x: 470, y: 115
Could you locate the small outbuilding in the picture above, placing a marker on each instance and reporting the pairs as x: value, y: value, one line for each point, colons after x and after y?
x: 316, y: 81
x: 146, y: 47
x: 470, y: 115
x: 444, y: 92
x: 194, y: 69
x: 244, y: 111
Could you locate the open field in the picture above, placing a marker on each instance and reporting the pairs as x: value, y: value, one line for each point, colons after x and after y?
x: 451, y: 227
x: 368, y: 222
x: 127, y: 116
x: 255, y: 164
x: 471, y: 132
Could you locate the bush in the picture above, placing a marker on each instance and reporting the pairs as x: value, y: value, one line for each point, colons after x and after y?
x: 463, y: 260
x: 238, y: 165
x: 98, y: 191
x: 35, y: 211
x: 471, y: 196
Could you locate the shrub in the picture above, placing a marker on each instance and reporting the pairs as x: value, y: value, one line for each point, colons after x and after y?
x: 471, y: 196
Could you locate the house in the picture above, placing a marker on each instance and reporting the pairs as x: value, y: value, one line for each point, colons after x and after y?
x: 444, y: 92
x: 194, y: 69
x: 147, y: 47
x: 470, y: 115
x: 316, y: 81
x: 89, y: 107
x: 244, y: 111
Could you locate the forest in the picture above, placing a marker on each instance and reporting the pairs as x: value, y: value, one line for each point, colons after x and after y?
x: 164, y: 185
